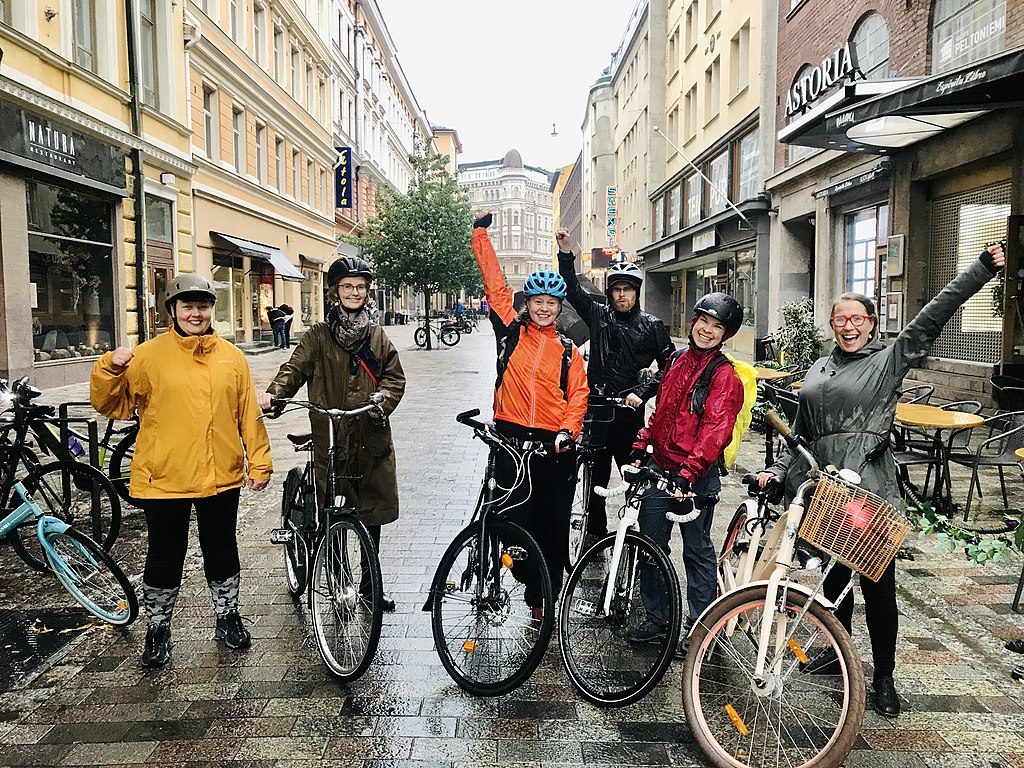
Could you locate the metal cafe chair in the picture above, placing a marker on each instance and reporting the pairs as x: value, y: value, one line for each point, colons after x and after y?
x: 997, y: 450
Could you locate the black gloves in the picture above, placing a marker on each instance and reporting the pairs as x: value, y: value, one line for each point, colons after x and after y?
x: 986, y: 259
x: 681, y: 483
x: 484, y: 221
x: 637, y: 454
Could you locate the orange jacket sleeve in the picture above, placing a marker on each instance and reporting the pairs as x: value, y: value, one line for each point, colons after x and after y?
x: 497, y: 292
x: 577, y: 394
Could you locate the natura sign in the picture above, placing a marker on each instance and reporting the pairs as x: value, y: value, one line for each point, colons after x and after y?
x: 841, y: 65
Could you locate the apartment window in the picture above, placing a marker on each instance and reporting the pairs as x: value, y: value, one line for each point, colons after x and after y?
x: 261, y: 153
x: 259, y: 20
x: 148, y: 51
x: 322, y: 100
x: 694, y: 188
x: 718, y: 173
x: 323, y: 191
x: 659, y: 218
x: 310, y: 197
x: 739, y: 60
x: 673, y: 53
x: 278, y: 54
x: 238, y: 138
x: 83, y: 12
x: 310, y: 82
x: 296, y: 73
x: 748, y: 157
x: 279, y: 164
x: 714, y: 7
x: 296, y: 174
x: 692, y: 30
x: 210, y: 122
x: 673, y: 124
x: 712, y: 87
x: 690, y: 114
x: 234, y: 19
x: 5, y: 11
x: 871, y: 47
x: 965, y: 31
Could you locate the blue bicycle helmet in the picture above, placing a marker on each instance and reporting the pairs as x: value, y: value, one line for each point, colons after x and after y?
x: 545, y: 282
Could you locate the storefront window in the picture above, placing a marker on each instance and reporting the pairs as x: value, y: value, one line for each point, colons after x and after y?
x: 71, y: 272
x: 659, y: 218
x: 965, y: 31
x: 311, y: 292
x: 673, y: 210
x: 748, y: 166
x: 694, y: 185
x: 227, y: 282
x: 741, y: 283
x: 718, y: 172
x: 861, y: 242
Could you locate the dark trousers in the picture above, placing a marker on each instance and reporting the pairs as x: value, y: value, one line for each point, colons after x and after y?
x: 543, y: 507
x: 167, y: 521
x: 277, y: 326
x: 287, y: 333
x: 883, y: 618
x: 616, y: 439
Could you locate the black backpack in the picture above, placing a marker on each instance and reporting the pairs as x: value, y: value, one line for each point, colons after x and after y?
x: 507, y: 345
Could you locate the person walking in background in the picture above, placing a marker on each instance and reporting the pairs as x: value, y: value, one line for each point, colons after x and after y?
x: 691, y: 425
x: 846, y: 409
x: 200, y: 440
x: 342, y: 361
x: 530, y: 404
x: 276, y: 317
x: 623, y: 341
x: 288, y: 314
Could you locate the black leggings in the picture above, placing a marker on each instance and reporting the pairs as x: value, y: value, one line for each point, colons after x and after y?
x: 883, y: 618
x: 167, y: 521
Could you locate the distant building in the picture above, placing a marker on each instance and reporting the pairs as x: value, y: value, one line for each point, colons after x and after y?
x: 520, y: 198
x: 558, y: 182
x: 570, y: 211
x: 446, y: 142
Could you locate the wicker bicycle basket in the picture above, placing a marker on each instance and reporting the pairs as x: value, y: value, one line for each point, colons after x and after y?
x: 858, y: 528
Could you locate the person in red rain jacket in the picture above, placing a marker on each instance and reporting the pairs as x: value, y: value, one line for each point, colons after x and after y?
x: 688, y: 440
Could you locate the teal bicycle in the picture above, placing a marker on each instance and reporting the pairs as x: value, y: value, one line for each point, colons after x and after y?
x: 79, y: 563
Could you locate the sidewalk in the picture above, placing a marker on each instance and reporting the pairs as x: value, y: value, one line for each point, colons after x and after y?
x: 92, y: 704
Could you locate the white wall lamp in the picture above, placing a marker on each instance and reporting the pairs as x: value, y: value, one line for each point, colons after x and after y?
x: 168, y: 179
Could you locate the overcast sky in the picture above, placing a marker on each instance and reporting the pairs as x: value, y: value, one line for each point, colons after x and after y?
x: 501, y: 72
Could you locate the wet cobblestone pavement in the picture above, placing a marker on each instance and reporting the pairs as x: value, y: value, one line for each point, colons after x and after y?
x: 274, y: 705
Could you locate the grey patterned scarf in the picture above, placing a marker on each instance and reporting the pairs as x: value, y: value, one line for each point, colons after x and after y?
x: 350, y: 331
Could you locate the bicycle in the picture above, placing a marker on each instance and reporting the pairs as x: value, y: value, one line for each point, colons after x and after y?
x: 447, y: 333
x: 752, y: 692
x: 88, y: 572
x: 344, y: 588
x: 602, y: 604
x: 72, y: 491
x: 484, y: 632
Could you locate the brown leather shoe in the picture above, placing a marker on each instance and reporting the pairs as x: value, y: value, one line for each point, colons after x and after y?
x: 887, y: 701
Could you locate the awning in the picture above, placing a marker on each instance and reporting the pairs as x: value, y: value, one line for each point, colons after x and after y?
x: 284, y: 268
x: 928, y: 107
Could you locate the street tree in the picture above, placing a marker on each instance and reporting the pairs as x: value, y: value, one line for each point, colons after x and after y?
x: 421, y: 239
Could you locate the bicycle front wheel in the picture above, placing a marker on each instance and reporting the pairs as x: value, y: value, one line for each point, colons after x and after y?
x: 346, y: 599
x: 481, y: 613
x: 295, y: 513
x: 119, y: 470
x: 578, y: 513
x: 420, y: 337
x: 450, y: 337
x: 79, y: 495
x: 796, y: 718
x: 92, y: 577
x: 605, y: 666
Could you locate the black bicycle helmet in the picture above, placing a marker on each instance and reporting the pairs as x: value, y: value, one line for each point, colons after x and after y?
x: 348, y: 266
x: 191, y: 287
x: 724, y: 308
x: 625, y: 272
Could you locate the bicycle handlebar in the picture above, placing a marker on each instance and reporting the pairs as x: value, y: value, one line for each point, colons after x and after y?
x: 335, y: 414
x: 794, y: 441
x: 491, y: 436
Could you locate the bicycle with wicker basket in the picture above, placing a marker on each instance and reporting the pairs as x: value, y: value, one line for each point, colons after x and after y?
x: 752, y: 693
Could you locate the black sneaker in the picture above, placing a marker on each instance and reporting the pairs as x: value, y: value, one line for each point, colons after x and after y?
x: 648, y: 632
x: 231, y: 631
x: 158, y: 645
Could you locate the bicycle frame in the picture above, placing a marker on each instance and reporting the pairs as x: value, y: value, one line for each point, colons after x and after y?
x: 45, y: 527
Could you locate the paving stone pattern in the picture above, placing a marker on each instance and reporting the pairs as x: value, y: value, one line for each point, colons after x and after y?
x: 274, y: 705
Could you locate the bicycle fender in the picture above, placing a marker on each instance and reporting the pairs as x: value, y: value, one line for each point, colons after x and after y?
x: 801, y: 589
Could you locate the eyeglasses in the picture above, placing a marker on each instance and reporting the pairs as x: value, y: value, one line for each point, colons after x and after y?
x: 840, y: 321
x: 346, y: 288
x: 623, y: 289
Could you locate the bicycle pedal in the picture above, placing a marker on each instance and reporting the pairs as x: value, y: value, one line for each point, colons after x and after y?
x: 516, y: 553
x: 282, y: 536
x: 584, y: 607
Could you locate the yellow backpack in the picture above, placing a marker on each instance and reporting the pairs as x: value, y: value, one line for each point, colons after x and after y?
x: 699, y: 396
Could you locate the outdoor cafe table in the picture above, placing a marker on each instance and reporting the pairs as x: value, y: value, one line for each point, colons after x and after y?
x: 937, y: 420
x: 769, y: 374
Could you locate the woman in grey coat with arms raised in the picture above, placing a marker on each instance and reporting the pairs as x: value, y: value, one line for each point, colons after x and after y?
x: 847, y: 407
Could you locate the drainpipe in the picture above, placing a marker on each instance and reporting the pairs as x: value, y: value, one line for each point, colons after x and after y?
x: 141, y: 299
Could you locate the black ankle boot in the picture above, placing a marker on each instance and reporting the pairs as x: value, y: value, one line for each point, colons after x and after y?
x: 887, y: 701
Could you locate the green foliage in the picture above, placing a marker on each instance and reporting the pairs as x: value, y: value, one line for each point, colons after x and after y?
x: 421, y: 239
x: 799, y: 338
x: 950, y: 536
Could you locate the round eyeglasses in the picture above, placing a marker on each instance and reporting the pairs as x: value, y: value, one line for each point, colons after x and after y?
x: 840, y: 321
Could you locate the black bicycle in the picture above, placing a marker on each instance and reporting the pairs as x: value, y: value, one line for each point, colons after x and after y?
x: 485, y: 633
x: 343, y: 587
x: 72, y: 491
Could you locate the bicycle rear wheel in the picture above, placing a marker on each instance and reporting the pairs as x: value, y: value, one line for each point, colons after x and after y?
x: 578, y: 512
x: 484, y: 631
x: 801, y: 719
x: 346, y: 599
x: 450, y: 337
x: 92, y: 577
x: 295, y: 514
x: 79, y: 495
x: 420, y: 337
x: 604, y: 666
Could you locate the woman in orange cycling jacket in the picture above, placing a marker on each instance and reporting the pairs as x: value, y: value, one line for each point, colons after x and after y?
x: 536, y: 397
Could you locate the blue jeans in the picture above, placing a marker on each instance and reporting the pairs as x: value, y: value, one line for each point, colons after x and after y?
x: 699, y: 558
x: 277, y: 326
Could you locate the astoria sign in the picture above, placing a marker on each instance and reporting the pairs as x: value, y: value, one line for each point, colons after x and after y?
x: 841, y: 65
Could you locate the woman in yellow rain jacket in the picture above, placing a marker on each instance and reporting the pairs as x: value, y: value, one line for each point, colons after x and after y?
x: 199, y: 442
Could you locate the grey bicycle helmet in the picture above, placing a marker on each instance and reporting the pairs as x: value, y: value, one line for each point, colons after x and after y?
x: 625, y: 272
x: 724, y: 308
x: 545, y: 282
x: 348, y: 266
x: 189, y: 286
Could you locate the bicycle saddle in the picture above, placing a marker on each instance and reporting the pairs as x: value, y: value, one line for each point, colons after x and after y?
x: 300, y: 438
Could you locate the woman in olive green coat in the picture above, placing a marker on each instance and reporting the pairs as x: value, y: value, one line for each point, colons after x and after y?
x: 343, y: 361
